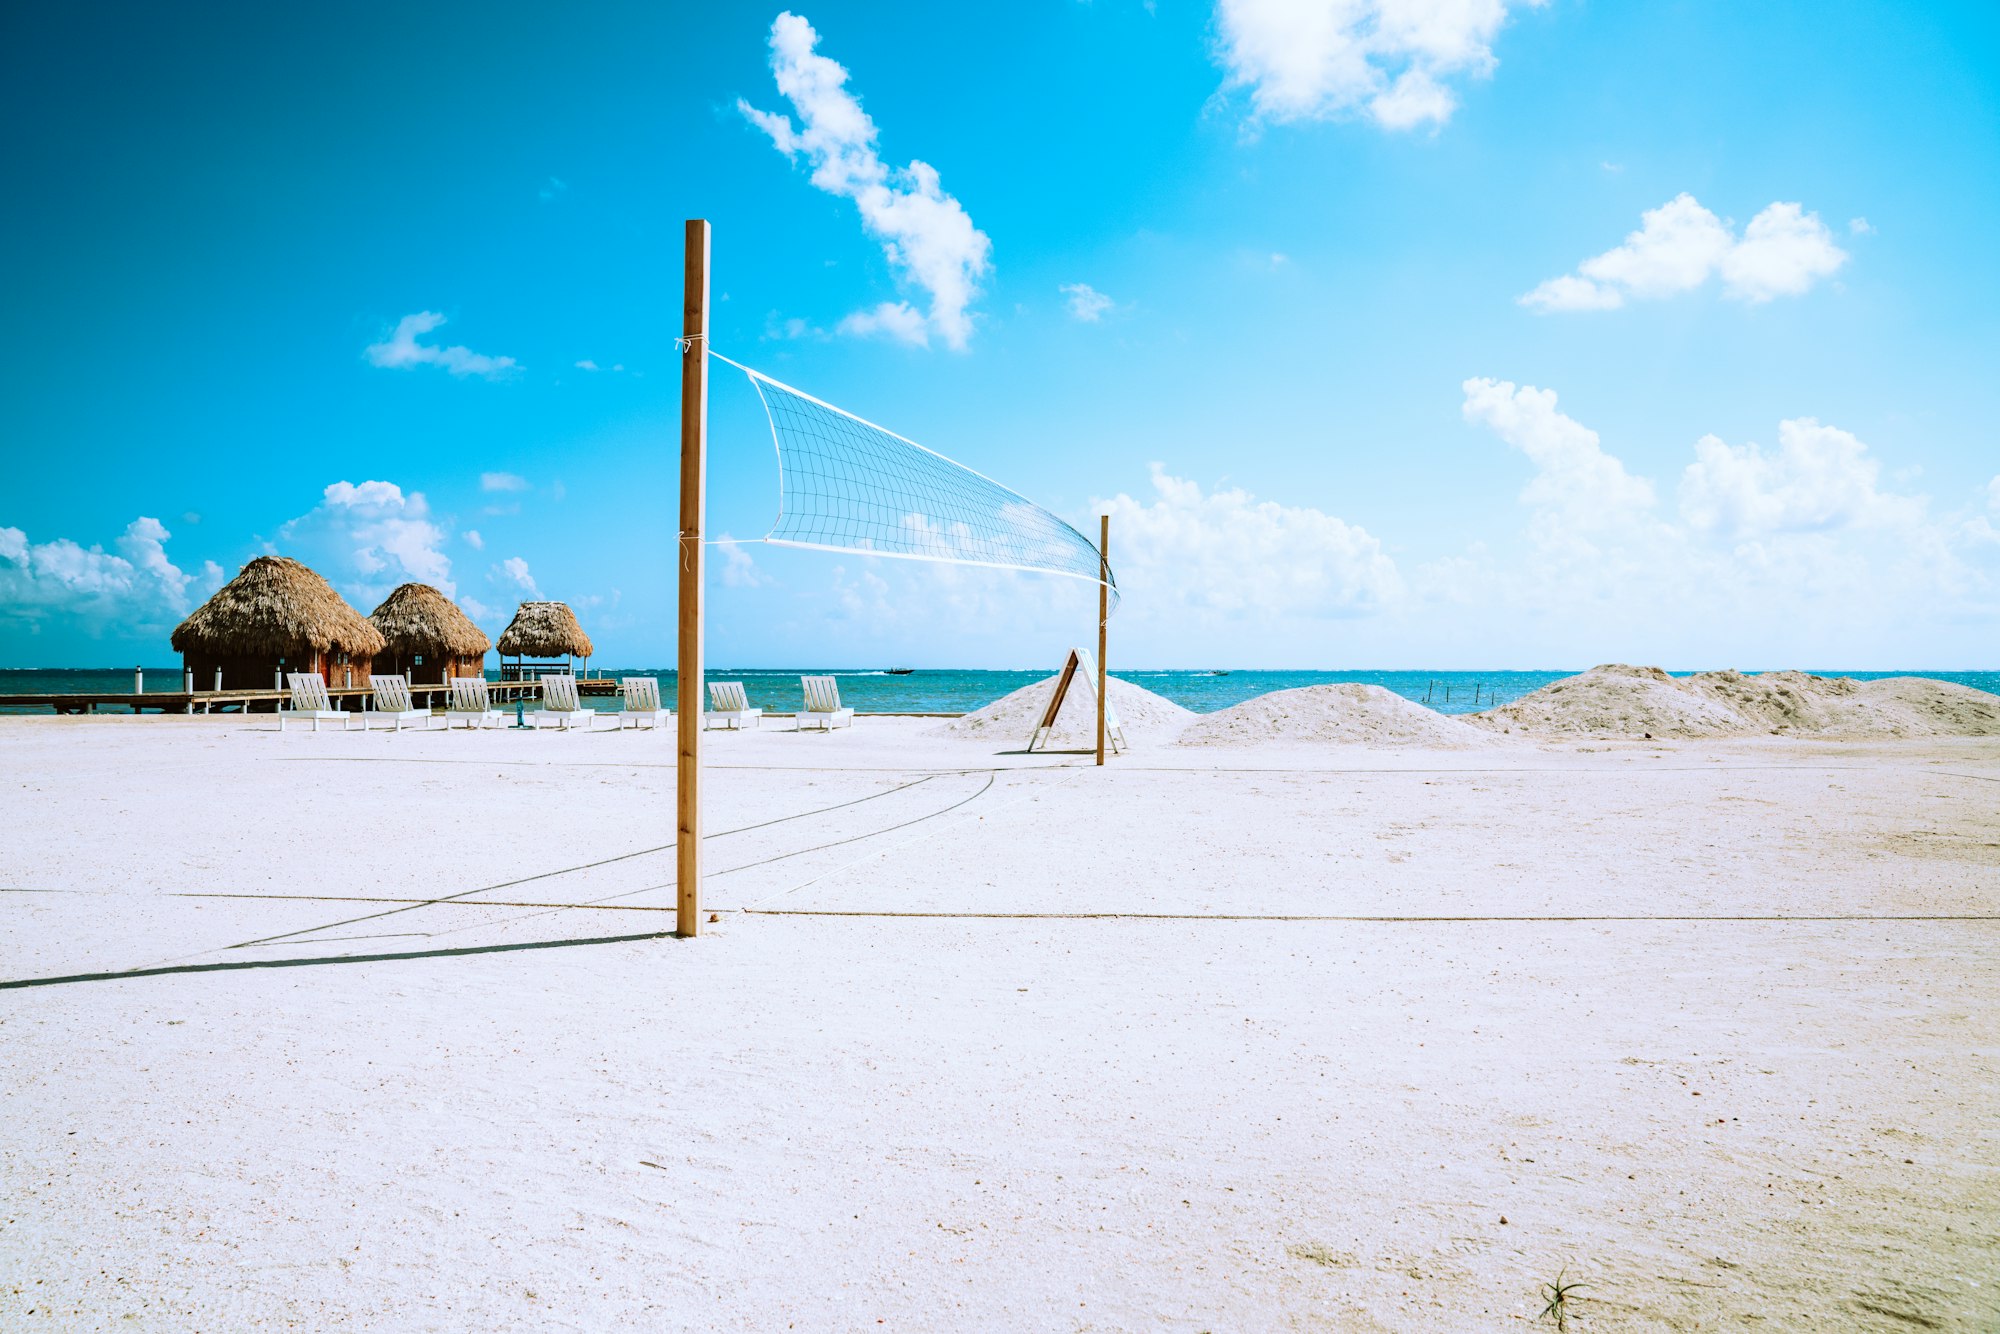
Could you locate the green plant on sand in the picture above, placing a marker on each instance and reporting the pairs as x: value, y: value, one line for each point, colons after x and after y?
x: 1557, y: 1294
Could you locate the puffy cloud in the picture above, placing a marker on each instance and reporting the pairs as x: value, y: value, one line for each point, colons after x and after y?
x: 1777, y: 557
x: 586, y: 365
x: 502, y: 481
x: 892, y: 319
x: 1820, y: 478
x: 926, y: 234
x: 368, y: 538
x: 514, y: 571
x: 1573, y: 474
x: 739, y: 569
x: 135, y: 590
x: 1680, y: 245
x: 1391, y: 60
x: 1086, y: 303
x: 1224, y: 555
x: 401, y: 351
x: 474, y: 540
x: 1784, y: 251
x: 1861, y: 226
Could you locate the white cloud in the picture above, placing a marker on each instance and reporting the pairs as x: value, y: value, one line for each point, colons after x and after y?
x: 1794, y: 557
x: 474, y: 540
x: 502, y: 481
x: 1680, y: 245
x: 586, y: 365
x: 402, y: 351
x: 1086, y: 303
x: 892, y: 319
x: 1993, y: 495
x: 1573, y: 474
x: 739, y: 569
x: 514, y: 571
x: 135, y: 591
x: 1821, y: 478
x: 926, y: 234
x: 1784, y: 251
x: 1860, y: 227
x: 1391, y: 60
x: 367, y: 538
x: 1225, y: 555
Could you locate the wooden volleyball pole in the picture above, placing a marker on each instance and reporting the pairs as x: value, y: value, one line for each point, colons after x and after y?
x: 1103, y: 616
x: 687, y: 663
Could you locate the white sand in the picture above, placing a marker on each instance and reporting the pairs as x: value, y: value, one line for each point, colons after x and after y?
x: 1349, y: 714
x: 1637, y: 702
x: 1010, y: 721
x: 1710, y: 1024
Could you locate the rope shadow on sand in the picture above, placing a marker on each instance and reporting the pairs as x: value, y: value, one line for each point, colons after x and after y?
x: 241, y: 965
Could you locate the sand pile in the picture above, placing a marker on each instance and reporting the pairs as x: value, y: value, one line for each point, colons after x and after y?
x: 1617, y: 700
x: 1347, y: 714
x: 1011, y: 719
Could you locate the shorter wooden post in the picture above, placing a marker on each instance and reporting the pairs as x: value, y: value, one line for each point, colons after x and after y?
x: 1103, y: 619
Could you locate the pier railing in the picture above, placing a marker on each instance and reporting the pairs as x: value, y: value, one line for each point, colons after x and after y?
x: 356, y: 698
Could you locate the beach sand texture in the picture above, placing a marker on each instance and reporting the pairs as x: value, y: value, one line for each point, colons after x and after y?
x: 1619, y: 700
x: 1247, y: 1037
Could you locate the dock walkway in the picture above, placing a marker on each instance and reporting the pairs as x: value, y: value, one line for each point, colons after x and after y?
x: 245, y: 701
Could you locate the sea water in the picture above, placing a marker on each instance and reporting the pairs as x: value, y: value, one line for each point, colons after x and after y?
x: 941, y: 690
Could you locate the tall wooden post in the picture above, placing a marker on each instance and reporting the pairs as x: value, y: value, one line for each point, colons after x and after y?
x: 1103, y: 616
x: 687, y: 665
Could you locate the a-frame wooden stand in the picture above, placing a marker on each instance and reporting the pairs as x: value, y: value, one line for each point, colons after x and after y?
x: 1078, y: 667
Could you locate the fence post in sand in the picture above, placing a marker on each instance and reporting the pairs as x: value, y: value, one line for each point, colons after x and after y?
x: 687, y: 684
x: 1103, y: 615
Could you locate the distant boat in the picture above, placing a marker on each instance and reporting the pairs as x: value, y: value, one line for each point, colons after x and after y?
x: 1218, y: 671
x: 901, y: 671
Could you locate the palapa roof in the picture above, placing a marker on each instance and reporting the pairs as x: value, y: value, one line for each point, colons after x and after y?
x: 416, y: 618
x: 545, y: 630
x: 275, y: 608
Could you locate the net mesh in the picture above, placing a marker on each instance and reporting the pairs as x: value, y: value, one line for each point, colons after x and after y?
x: 845, y: 484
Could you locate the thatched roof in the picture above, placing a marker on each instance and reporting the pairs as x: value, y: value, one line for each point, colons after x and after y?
x: 276, y: 608
x: 545, y: 630
x: 416, y: 618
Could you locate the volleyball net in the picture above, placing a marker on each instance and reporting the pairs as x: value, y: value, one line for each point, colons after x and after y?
x: 846, y: 484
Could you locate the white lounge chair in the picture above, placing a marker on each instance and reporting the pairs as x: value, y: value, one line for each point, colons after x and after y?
x: 642, y: 702
x: 823, y: 704
x: 470, y: 704
x: 309, y: 700
x: 392, y: 704
x: 560, y: 703
x: 729, y: 706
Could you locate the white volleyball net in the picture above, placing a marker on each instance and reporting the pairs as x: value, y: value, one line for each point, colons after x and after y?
x: 845, y: 484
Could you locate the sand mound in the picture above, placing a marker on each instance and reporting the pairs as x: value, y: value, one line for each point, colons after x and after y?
x: 1348, y: 714
x: 1011, y: 719
x: 1617, y: 700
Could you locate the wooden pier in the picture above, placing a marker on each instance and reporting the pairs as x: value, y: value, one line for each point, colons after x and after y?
x: 267, y: 701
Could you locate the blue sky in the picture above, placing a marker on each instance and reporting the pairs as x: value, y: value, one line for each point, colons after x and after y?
x: 1393, y: 333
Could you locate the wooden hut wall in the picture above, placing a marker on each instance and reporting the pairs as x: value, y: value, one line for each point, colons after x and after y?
x: 252, y: 673
x: 435, y: 669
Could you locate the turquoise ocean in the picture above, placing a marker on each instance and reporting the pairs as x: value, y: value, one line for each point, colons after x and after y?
x: 951, y: 691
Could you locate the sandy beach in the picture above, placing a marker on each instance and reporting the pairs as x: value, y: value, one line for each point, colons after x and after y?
x: 379, y: 1031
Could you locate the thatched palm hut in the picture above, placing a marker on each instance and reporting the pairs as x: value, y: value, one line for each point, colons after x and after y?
x: 429, y: 639
x: 276, y: 616
x: 546, y: 631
